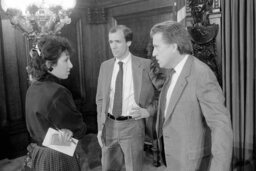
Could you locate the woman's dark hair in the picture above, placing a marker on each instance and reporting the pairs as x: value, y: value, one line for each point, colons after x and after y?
x: 48, y: 48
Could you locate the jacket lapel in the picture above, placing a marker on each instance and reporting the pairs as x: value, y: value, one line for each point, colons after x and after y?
x: 159, y: 119
x: 179, y: 88
x: 137, y: 77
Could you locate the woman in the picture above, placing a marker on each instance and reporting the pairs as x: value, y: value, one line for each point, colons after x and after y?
x: 49, y: 104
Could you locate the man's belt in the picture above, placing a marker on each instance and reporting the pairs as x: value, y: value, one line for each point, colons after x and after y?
x: 120, y: 118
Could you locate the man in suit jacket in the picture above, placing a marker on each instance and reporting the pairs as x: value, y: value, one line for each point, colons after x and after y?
x: 193, y: 125
x: 121, y: 132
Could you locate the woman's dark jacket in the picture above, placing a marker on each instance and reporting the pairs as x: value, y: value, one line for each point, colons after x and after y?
x: 49, y: 104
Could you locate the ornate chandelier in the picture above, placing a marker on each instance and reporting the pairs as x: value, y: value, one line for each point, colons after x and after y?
x: 35, y: 18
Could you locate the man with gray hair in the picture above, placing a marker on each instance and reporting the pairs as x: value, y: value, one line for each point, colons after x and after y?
x: 193, y: 125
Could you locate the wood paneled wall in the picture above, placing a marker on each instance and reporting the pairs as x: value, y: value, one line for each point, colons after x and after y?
x: 141, y: 23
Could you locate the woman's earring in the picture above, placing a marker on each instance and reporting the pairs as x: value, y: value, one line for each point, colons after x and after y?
x: 50, y: 69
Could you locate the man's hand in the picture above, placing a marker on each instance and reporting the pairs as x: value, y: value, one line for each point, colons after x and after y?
x: 139, y: 113
x: 99, y: 138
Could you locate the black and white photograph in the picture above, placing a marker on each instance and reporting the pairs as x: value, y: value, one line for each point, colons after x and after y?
x: 128, y: 85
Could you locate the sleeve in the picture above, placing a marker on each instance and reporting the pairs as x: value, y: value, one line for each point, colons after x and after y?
x: 99, y: 99
x: 64, y: 114
x: 211, y: 101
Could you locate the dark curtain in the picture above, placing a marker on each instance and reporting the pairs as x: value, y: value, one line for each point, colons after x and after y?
x: 239, y: 54
x: 13, y: 86
x: 3, y: 114
x: 13, y: 75
x: 3, y: 106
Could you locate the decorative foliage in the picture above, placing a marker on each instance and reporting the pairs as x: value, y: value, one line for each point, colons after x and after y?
x: 204, y: 34
x: 200, y: 10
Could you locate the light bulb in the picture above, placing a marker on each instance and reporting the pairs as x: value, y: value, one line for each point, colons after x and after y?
x: 3, y: 5
x: 54, y: 3
x: 68, y: 4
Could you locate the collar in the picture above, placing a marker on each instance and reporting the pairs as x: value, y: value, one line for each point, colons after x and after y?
x: 181, y: 64
x: 49, y: 77
x: 125, y: 60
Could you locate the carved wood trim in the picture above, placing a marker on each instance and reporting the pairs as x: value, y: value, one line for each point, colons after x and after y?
x: 115, y: 3
x: 141, y: 7
x: 105, y: 3
x: 204, y: 33
x: 97, y: 16
x: 152, y: 12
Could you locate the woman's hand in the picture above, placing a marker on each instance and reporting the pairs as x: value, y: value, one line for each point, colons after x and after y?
x: 66, y: 134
